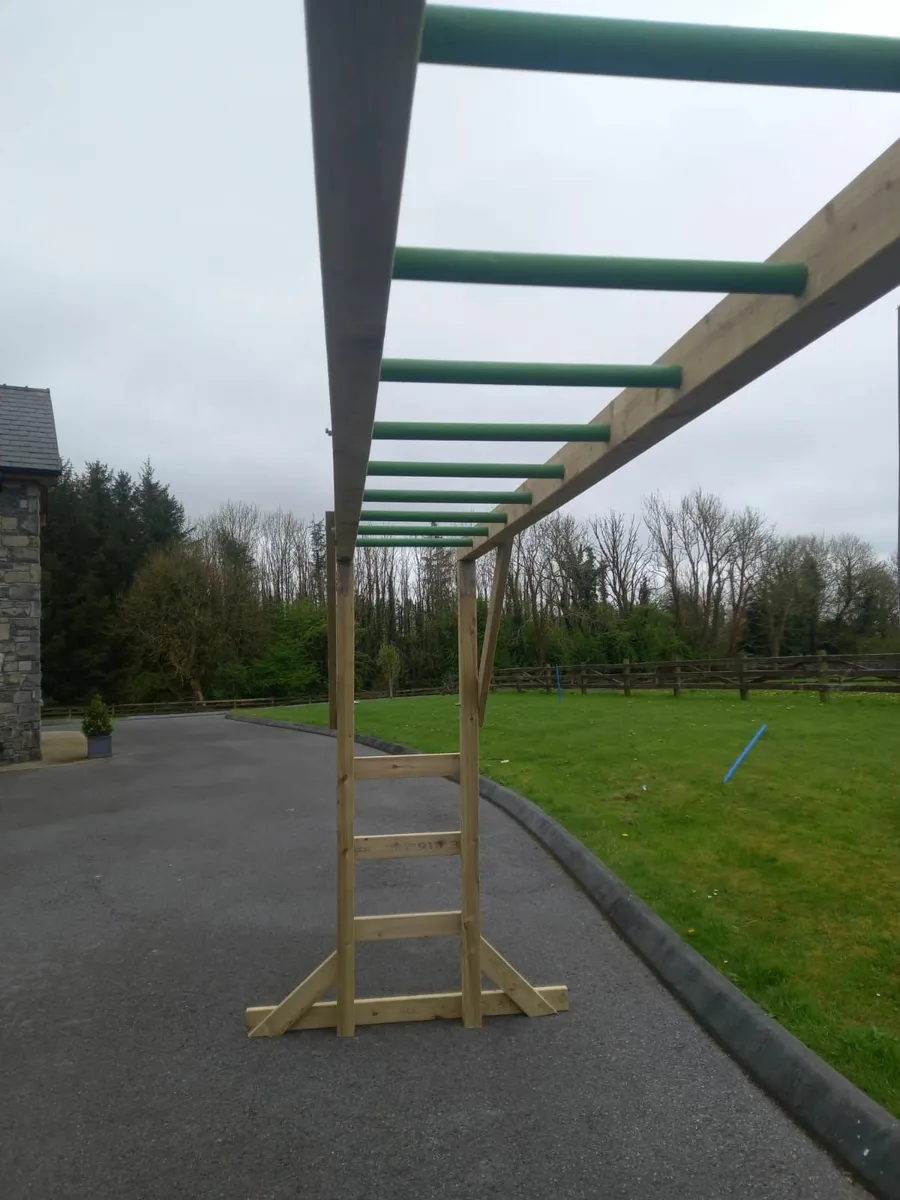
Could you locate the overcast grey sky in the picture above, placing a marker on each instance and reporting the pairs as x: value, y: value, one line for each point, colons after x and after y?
x: 159, y: 258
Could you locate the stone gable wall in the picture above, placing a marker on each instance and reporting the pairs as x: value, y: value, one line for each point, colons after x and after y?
x: 20, y: 621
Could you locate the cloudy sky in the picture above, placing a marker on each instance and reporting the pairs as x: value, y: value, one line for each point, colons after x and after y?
x: 159, y: 259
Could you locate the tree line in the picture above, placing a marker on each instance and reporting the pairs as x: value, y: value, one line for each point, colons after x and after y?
x: 141, y: 605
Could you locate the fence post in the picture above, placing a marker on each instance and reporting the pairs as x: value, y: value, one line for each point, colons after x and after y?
x: 677, y: 688
x: 627, y: 683
x: 745, y: 695
x: 824, y: 692
x: 549, y: 677
x: 583, y: 684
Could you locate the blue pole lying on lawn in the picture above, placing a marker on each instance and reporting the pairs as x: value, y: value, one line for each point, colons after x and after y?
x: 558, y: 684
x: 743, y: 754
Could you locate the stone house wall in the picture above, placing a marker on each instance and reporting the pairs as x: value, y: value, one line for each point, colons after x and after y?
x: 20, y: 621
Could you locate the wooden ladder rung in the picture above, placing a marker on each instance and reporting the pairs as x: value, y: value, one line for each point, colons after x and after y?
x: 406, y: 845
x: 407, y: 925
x: 405, y: 766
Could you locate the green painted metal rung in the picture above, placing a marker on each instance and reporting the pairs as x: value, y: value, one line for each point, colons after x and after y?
x: 486, y: 431
x: 530, y: 41
x: 578, y: 271
x: 427, y: 531
x: 474, y: 518
x: 416, y: 496
x: 417, y: 542
x: 445, y: 470
x: 529, y: 374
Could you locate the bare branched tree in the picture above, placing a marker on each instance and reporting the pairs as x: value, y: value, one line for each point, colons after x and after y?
x: 751, y: 540
x: 623, y: 554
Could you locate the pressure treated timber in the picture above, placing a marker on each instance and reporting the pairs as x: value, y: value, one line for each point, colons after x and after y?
x: 362, y: 61
x: 407, y: 925
x: 331, y: 626
x: 411, y: 543
x: 345, y: 677
x: 492, y: 625
x: 373, y: 846
x: 487, y: 431
x: 516, y: 986
x: 530, y: 41
x: 304, y: 995
x: 429, y: 1007
x: 416, y: 496
x: 470, y: 945
x: 528, y: 374
x: 439, y: 470
x: 418, y: 531
x: 587, y: 271
x: 852, y: 248
x: 406, y: 766
x: 433, y: 517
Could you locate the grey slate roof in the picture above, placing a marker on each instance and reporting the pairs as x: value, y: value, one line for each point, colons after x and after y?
x: 28, y: 431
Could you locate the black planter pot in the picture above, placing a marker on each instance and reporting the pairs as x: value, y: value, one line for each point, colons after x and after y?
x: 99, y: 745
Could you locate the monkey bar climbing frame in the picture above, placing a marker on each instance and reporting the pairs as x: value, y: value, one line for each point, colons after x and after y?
x: 363, y: 58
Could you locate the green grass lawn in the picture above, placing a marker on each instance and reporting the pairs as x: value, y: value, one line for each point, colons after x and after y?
x: 787, y: 878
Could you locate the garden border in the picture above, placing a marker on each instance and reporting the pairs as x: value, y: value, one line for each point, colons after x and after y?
x: 861, y: 1134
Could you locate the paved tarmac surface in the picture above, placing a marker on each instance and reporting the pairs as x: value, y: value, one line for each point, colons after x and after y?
x: 146, y: 900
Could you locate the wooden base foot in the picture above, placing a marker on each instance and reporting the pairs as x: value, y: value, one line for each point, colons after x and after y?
x: 386, y: 1009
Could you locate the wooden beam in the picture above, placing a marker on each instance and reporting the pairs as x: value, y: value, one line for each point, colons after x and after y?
x: 516, y: 986
x: 406, y: 766
x: 330, y: 599
x: 386, y: 1009
x: 345, y: 679
x: 407, y: 925
x: 362, y: 71
x: 406, y: 845
x: 468, y: 796
x: 492, y: 628
x: 293, y: 1006
x: 852, y: 250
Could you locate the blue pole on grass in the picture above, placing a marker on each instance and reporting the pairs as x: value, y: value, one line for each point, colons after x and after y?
x: 743, y: 754
x: 558, y: 684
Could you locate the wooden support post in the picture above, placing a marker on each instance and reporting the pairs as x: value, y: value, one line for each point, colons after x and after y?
x: 742, y: 676
x: 583, y: 681
x: 676, y: 690
x: 548, y: 679
x: 492, y: 628
x: 824, y: 691
x: 627, y: 684
x: 468, y: 796
x: 345, y: 686
x: 330, y: 598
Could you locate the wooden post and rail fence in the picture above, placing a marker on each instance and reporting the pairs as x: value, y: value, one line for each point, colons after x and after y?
x: 822, y: 673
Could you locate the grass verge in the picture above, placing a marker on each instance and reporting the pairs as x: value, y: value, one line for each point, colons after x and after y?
x: 786, y: 879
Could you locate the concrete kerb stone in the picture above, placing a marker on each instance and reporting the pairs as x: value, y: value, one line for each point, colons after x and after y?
x: 861, y: 1134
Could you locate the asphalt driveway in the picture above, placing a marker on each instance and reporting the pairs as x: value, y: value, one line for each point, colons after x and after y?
x: 147, y: 900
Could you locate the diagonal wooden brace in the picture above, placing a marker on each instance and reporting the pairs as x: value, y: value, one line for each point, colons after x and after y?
x: 292, y: 1007
x: 505, y: 975
x: 492, y: 627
